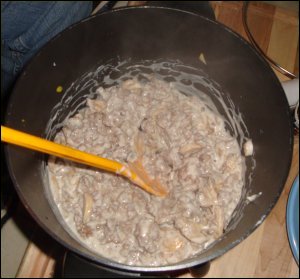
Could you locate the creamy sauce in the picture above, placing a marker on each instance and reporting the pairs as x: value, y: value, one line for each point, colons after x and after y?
x: 182, y: 141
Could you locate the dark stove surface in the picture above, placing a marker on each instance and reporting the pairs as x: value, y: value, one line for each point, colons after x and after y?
x: 75, y: 266
x: 78, y: 267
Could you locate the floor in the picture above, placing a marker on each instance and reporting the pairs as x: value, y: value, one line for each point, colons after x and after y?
x: 14, y: 241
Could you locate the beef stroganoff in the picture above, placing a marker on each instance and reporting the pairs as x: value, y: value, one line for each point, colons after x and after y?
x: 181, y: 142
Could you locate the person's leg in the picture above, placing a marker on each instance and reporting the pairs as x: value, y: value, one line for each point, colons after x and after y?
x: 27, y: 26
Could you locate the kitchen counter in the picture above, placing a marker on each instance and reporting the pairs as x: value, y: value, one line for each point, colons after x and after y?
x: 266, y: 252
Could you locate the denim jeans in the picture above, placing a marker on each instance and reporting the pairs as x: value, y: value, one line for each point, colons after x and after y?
x: 27, y: 25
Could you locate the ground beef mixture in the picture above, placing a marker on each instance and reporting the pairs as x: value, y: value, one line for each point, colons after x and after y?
x: 182, y: 143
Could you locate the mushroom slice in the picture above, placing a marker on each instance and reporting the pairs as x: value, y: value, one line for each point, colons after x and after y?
x: 191, y: 230
x: 87, y: 207
x: 219, y: 220
x: 248, y: 148
x: 173, y: 241
x: 189, y: 148
x: 96, y: 105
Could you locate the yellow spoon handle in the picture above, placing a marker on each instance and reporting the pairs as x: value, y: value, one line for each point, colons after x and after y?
x: 35, y: 143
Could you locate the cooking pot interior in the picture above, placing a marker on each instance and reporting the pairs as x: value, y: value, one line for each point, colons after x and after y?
x: 152, y: 34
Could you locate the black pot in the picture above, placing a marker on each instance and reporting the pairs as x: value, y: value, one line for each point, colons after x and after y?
x: 154, y: 33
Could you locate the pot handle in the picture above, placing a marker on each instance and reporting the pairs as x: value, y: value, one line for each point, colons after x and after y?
x: 201, y: 270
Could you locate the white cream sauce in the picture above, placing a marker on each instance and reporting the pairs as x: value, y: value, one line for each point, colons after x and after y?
x: 186, y: 145
x: 117, y: 219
